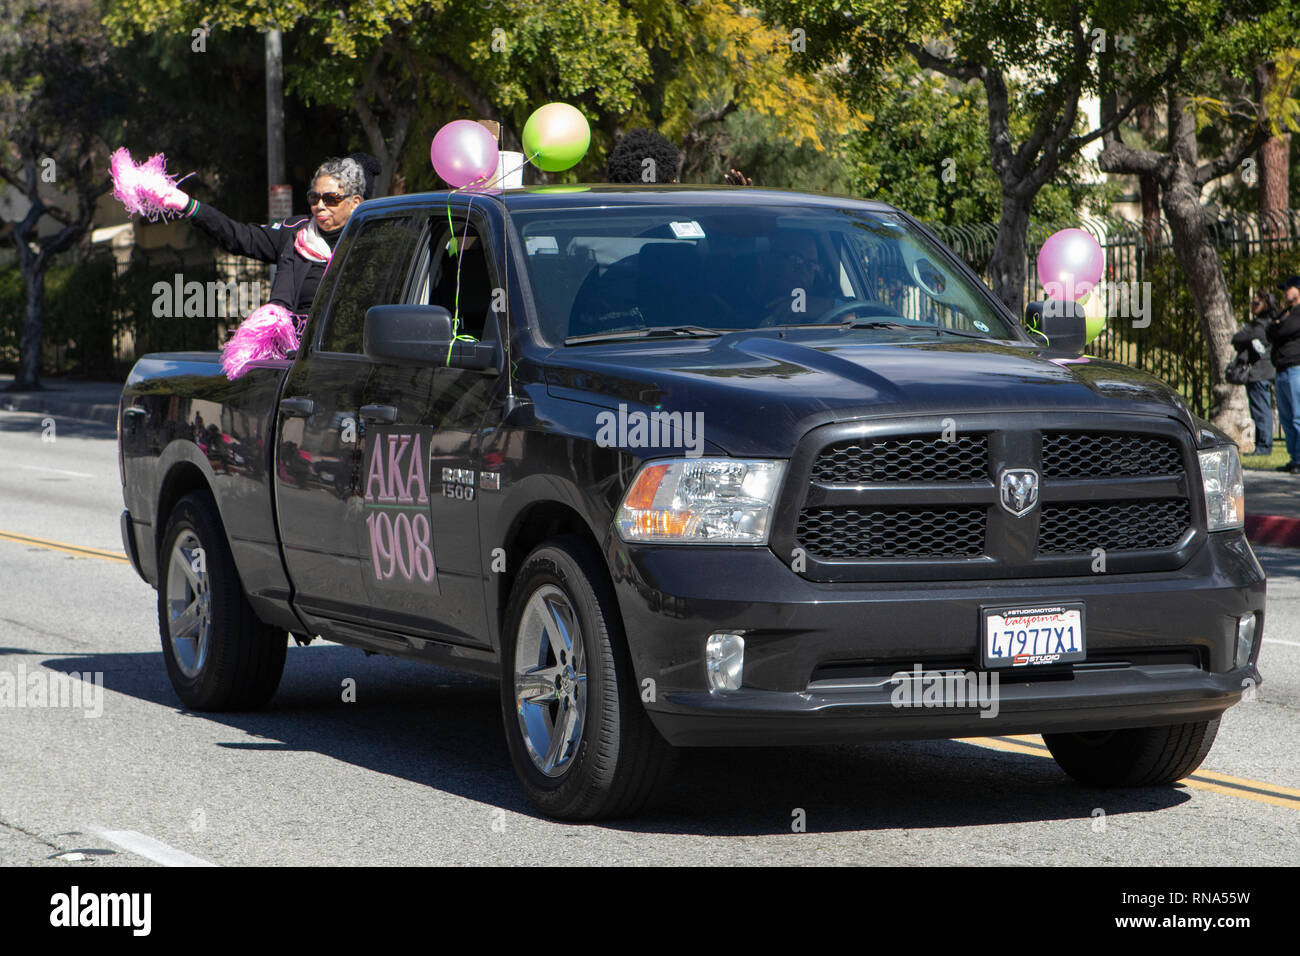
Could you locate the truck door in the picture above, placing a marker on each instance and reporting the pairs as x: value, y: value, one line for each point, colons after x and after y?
x: 420, y: 472
x: 318, y: 431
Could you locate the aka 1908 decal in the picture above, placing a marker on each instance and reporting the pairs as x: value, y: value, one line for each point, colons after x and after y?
x: 397, y: 502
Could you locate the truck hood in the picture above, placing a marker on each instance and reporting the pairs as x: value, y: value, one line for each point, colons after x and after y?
x: 760, y: 393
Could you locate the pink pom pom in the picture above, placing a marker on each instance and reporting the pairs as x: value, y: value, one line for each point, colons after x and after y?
x: 124, y: 181
x: 144, y: 188
x: 267, y: 333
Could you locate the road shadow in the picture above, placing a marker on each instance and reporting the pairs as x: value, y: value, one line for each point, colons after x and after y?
x: 1278, y: 562
x: 442, y: 729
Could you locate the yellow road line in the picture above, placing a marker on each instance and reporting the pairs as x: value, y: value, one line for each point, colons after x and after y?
x: 73, y: 549
x: 1207, y: 780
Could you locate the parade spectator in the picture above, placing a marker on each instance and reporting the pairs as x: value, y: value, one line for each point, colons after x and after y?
x: 1251, y: 344
x: 1284, y: 334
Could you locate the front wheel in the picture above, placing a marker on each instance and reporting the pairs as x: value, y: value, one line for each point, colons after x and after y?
x: 1143, y: 757
x: 581, y: 743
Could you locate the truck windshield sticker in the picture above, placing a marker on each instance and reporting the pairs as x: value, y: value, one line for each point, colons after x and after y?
x: 536, y: 244
x: 687, y: 230
x: 397, y: 504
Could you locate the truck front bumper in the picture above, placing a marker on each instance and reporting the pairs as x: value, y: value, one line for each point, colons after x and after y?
x: 819, y: 658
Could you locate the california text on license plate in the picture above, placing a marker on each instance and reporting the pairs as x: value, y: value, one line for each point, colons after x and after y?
x: 1032, y: 636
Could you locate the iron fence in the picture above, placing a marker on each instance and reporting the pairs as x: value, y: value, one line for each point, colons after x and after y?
x: 1256, y: 252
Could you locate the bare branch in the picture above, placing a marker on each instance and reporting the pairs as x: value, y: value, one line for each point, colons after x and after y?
x: 964, y: 70
x: 1231, y: 159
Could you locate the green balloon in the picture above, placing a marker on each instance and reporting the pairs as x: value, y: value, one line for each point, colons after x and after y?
x: 1094, y: 326
x: 556, y: 137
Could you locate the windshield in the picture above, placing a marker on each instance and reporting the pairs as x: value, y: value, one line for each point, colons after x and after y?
x: 612, y: 270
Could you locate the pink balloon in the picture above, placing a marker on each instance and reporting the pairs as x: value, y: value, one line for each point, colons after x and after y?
x: 1070, y: 264
x: 464, y: 153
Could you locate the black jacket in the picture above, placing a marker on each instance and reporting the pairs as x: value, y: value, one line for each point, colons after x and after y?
x: 1252, y: 348
x: 296, y: 279
x: 1284, y: 333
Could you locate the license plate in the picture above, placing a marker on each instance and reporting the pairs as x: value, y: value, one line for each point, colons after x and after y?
x: 1032, y: 636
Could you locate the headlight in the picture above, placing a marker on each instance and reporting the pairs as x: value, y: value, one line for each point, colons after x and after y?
x: 1225, y: 493
x: 701, y: 501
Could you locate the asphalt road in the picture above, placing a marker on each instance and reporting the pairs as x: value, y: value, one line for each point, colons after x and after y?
x: 415, y: 770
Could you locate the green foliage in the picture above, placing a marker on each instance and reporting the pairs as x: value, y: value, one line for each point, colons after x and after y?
x: 925, y: 149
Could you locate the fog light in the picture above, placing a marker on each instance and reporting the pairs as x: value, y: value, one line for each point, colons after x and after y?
x: 724, y: 660
x: 1245, y: 638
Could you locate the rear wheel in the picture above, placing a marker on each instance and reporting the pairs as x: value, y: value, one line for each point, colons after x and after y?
x: 219, y: 655
x: 1142, y: 757
x: 581, y: 743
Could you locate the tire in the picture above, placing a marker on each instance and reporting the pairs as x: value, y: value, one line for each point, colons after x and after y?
x: 220, y: 657
x: 1144, y: 757
x: 583, y: 747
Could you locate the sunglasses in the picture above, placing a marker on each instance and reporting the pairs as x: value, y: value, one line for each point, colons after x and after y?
x: 330, y: 199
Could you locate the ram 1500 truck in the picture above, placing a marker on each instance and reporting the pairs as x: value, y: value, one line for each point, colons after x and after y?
x: 689, y: 466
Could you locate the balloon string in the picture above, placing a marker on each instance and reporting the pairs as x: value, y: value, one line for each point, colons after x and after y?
x: 456, y: 250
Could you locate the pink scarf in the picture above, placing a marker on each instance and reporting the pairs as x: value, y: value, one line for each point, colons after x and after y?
x: 309, y: 244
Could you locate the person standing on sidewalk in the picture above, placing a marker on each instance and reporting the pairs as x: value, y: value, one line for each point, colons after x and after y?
x: 1284, y: 334
x: 1251, y: 344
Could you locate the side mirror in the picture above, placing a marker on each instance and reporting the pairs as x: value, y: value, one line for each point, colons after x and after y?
x: 1062, y: 323
x: 421, y: 335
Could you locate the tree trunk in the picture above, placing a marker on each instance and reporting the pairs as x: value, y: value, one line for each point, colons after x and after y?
x: 1204, y: 272
x: 1274, y: 202
x: 1274, y: 168
x: 1148, y: 186
x: 1007, y: 267
x: 29, y: 345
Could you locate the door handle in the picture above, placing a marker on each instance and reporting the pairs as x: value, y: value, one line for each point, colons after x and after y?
x: 380, y: 413
x: 297, y: 406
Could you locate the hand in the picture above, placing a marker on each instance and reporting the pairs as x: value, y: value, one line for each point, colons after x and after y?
x: 175, y: 199
x: 735, y: 177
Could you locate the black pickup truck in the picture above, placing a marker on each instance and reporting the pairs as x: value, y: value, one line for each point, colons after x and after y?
x: 694, y: 467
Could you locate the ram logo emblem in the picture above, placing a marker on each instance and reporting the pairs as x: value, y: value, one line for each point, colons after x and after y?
x: 1018, y: 490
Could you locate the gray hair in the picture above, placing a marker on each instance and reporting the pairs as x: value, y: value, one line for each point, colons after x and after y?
x: 348, y: 173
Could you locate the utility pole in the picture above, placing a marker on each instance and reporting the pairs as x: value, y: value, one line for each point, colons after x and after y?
x: 279, y: 191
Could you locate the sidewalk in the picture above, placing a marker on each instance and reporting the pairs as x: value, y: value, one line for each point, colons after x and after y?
x: 1272, y: 499
x: 89, y: 401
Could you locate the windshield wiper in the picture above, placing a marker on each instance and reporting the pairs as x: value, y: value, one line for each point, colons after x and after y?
x: 684, y: 331
x: 884, y: 324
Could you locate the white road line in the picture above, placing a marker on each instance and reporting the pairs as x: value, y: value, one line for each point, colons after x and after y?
x: 1274, y: 640
x: 149, y: 848
x: 58, y: 471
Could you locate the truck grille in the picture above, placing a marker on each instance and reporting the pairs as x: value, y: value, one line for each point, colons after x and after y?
x: 1077, y: 529
x: 894, y: 533
x: 965, y: 458
x: 1094, y: 455
x: 877, y: 500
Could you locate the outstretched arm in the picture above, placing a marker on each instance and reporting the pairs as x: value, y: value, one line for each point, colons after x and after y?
x: 245, y: 239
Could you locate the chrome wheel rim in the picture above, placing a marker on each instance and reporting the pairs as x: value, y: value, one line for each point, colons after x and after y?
x: 189, y: 605
x: 550, y: 680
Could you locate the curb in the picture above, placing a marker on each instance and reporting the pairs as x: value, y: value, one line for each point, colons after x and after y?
x: 1273, y: 530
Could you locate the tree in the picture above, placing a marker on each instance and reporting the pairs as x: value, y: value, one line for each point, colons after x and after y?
x: 404, y: 67
x: 59, y: 92
x: 923, y: 146
x: 1034, y: 60
x: 1215, y: 54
